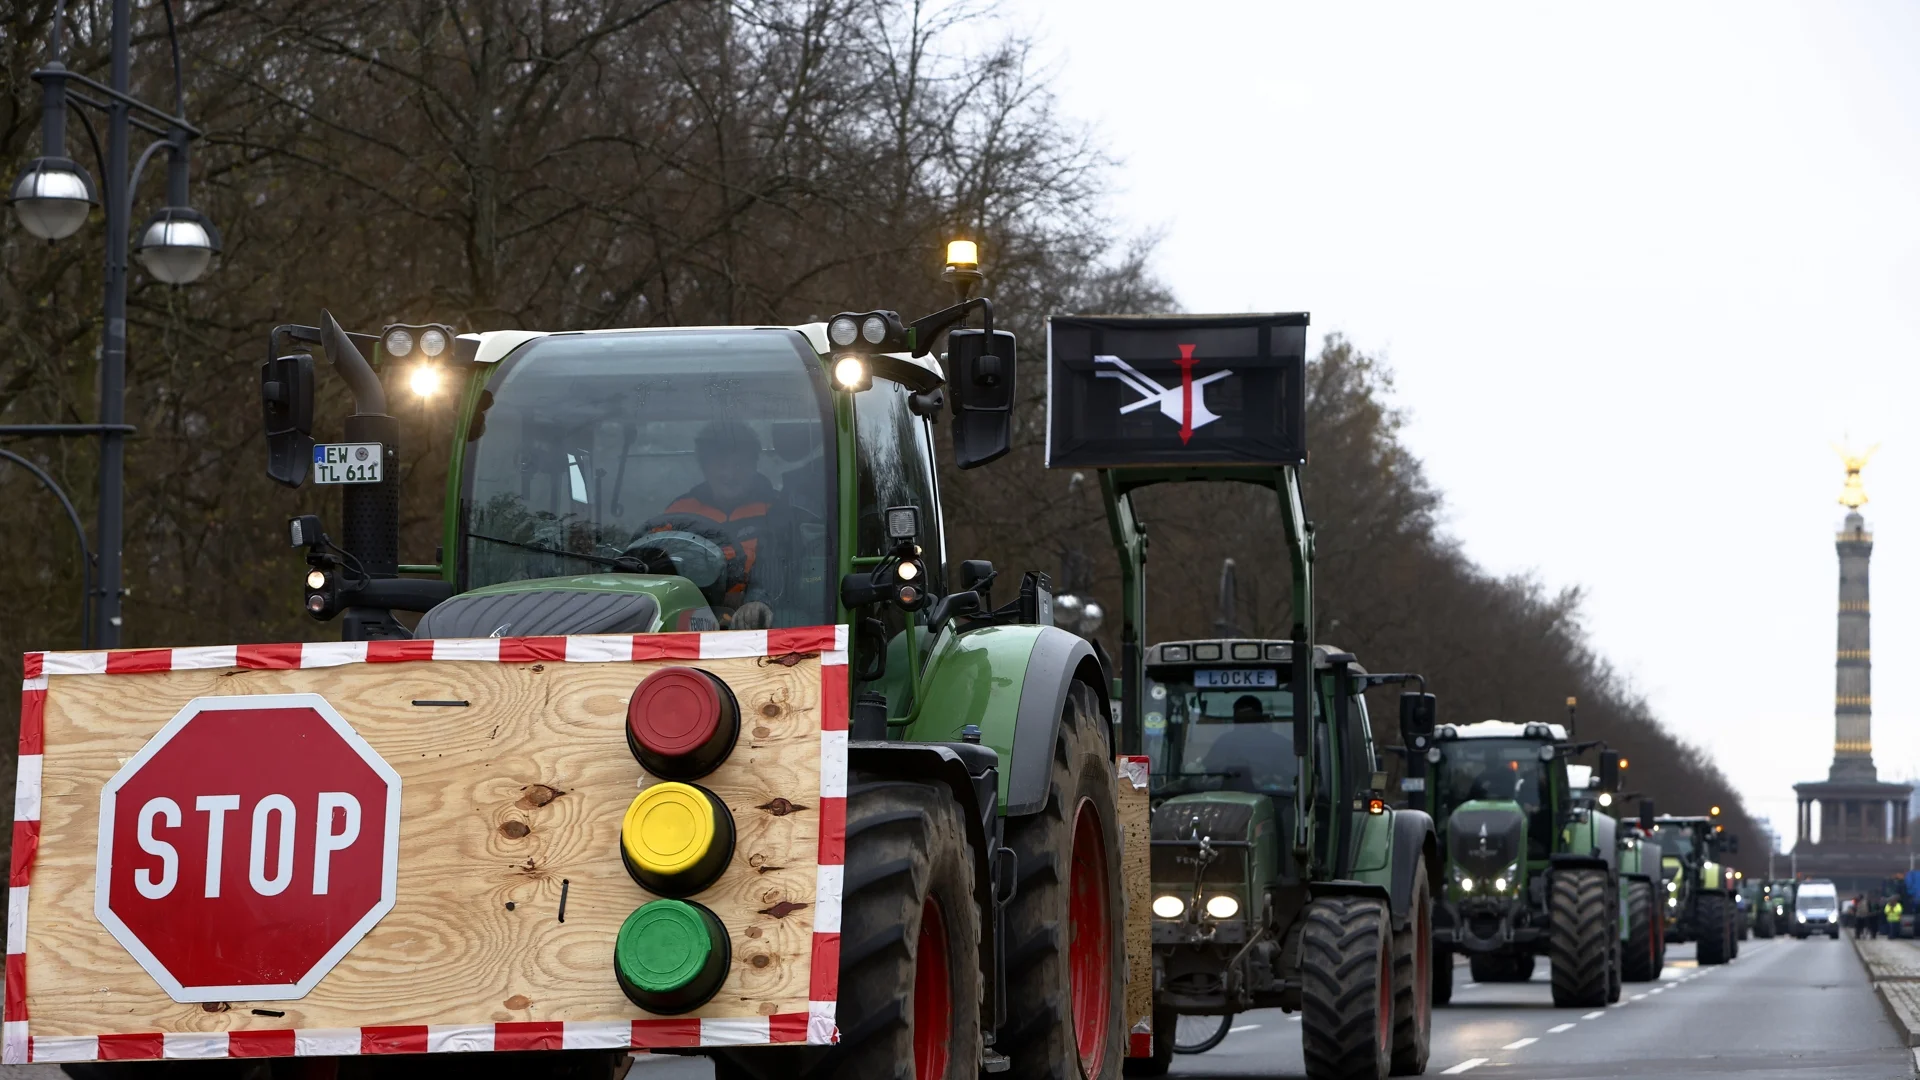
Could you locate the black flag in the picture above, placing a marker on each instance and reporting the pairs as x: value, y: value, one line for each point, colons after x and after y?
x: 1176, y: 390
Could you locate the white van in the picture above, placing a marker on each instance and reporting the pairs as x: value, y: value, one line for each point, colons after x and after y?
x: 1816, y: 909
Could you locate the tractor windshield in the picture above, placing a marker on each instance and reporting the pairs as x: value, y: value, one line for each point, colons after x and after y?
x: 1497, y: 769
x: 704, y: 455
x: 1675, y: 840
x: 1237, y: 739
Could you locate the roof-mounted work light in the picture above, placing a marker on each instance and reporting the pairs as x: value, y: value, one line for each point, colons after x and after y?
x: 424, y: 347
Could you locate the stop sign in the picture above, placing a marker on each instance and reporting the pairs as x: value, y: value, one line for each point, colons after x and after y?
x: 247, y: 847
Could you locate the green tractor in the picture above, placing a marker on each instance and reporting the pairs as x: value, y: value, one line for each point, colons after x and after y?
x: 757, y: 478
x: 1643, y: 943
x: 1700, y: 891
x: 1643, y: 931
x: 1529, y: 871
x: 1773, y: 907
x: 1280, y: 875
x: 1758, y: 901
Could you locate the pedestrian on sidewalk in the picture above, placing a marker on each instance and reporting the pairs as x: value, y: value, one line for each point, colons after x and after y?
x: 1857, y: 915
x: 1893, y: 917
x: 1874, y: 917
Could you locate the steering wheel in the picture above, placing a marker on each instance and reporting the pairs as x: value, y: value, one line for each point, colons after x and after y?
x: 698, y: 549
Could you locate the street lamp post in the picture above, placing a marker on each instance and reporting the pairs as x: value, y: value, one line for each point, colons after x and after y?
x: 52, y: 198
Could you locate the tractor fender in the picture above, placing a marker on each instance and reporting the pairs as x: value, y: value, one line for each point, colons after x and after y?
x: 1565, y: 861
x: 1011, y: 682
x: 1413, y: 836
x: 1408, y: 834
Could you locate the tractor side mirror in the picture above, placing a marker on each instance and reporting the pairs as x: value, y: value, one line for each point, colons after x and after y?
x: 980, y: 376
x: 1419, y: 714
x: 1609, y: 772
x: 1646, y: 814
x: 286, y: 412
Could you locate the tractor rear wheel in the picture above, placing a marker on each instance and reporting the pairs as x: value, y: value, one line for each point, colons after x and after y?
x: 1413, y: 980
x: 1065, y: 956
x: 1711, y: 929
x: 1613, y: 966
x: 909, y: 936
x: 1580, y: 932
x: 1442, y: 975
x: 1640, y: 960
x: 1346, y: 996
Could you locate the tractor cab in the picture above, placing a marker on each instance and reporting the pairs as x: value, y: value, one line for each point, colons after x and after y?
x: 1506, y: 777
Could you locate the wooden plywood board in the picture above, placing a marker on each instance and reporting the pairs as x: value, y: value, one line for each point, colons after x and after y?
x: 505, y: 803
x: 1136, y: 878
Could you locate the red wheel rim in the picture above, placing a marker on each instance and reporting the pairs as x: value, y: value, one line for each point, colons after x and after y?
x: 1090, y: 936
x: 932, y: 996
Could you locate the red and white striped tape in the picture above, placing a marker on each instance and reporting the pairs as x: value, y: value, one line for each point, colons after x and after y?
x: 816, y: 1025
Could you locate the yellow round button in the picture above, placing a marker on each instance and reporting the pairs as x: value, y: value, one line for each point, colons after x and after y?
x: 669, y: 828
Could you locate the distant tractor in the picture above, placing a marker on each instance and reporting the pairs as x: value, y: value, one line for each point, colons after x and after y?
x: 1530, y: 869
x: 1281, y: 876
x: 1700, y: 891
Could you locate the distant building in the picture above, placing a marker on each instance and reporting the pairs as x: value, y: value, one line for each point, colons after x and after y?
x: 1852, y: 827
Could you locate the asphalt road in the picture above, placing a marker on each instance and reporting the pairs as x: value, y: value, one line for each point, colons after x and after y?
x: 1785, y: 1008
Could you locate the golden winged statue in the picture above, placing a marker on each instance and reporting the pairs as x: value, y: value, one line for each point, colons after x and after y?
x: 1854, y: 495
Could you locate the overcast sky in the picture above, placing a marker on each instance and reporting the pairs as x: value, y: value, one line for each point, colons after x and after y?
x: 1636, y: 267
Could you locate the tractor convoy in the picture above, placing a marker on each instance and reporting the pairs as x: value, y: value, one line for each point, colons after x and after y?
x: 874, y: 814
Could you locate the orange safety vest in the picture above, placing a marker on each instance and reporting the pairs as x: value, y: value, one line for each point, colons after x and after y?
x: 743, y: 522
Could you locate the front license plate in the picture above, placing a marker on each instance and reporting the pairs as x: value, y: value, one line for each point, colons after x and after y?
x: 1236, y: 678
x: 347, y: 463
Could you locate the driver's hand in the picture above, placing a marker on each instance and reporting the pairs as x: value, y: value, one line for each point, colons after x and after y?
x: 752, y: 615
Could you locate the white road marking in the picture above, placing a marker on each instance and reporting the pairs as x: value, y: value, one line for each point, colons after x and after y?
x: 1241, y: 1027
x: 1295, y: 1018
x: 1463, y: 1066
x: 1558, y: 1028
x: 1637, y: 997
x: 1595, y: 1014
x: 1658, y: 990
x: 1518, y: 1043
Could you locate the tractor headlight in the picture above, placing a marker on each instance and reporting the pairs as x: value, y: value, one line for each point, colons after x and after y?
x: 907, y: 571
x: 1499, y: 884
x: 843, y: 331
x: 1169, y: 907
x: 1606, y: 798
x: 1778, y: 910
x: 1466, y: 883
x: 851, y: 372
x: 424, y: 379
x: 1222, y: 906
x: 874, y: 329
x: 316, y: 579
x: 432, y: 343
x: 1673, y: 886
x: 399, y: 343
x: 1801, y: 915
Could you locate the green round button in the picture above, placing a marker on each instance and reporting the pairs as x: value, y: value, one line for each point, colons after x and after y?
x: 663, y: 947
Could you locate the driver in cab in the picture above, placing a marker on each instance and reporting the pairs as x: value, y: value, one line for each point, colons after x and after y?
x: 737, y: 499
x: 1251, y: 750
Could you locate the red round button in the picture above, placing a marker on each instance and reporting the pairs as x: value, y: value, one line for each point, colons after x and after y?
x: 682, y: 722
